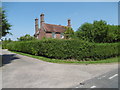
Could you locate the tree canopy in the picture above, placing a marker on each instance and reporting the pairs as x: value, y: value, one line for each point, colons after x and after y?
x: 85, y: 31
x: 98, y: 31
x: 69, y: 32
x: 27, y: 37
x: 4, y: 25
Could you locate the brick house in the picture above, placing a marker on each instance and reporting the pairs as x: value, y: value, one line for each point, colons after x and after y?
x: 49, y: 30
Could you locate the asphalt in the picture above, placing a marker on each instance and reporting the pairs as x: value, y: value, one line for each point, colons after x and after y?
x: 106, y: 80
x: 20, y: 71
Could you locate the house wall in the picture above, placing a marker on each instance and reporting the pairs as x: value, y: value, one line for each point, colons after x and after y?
x: 58, y: 36
x: 42, y: 34
x: 48, y: 35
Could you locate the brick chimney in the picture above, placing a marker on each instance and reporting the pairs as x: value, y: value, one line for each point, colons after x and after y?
x: 36, y: 24
x: 41, y: 19
x: 69, y: 23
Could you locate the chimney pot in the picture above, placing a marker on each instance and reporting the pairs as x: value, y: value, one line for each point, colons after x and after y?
x: 69, y: 23
x: 41, y: 19
x: 36, y: 24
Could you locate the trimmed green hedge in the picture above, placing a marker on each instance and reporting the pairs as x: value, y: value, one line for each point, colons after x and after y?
x: 66, y: 49
x: 4, y: 44
x: 104, y: 50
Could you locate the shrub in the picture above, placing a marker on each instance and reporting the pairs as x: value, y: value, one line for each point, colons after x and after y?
x: 66, y: 49
x: 4, y: 44
x: 104, y: 50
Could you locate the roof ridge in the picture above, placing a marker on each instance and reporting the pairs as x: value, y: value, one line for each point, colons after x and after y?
x: 56, y: 25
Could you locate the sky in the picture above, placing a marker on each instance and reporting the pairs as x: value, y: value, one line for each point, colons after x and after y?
x: 21, y: 15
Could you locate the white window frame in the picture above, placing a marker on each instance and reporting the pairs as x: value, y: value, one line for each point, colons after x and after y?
x: 53, y: 35
x: 61, y: 35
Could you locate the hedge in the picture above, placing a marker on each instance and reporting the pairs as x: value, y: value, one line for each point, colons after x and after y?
x: 104, y: 50
x: 4, y: 44
x: 66, y: 49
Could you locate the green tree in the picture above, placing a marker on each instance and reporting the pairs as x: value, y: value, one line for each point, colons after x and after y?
x: 113, y: 34
x: 4, y: 25
x: 5, y: 42
x: 68, y: 33
x: 27, y: 37
x: 85, y: 32
x: 100, y: 30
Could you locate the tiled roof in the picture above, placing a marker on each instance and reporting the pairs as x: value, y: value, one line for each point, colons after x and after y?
x: 54, y: 28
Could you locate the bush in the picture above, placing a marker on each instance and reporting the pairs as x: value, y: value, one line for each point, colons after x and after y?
x: 4, y: 44
x: 66, y: 49
x: 104, y: 50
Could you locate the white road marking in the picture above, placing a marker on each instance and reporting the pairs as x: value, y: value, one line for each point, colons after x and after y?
x: 93, y: 87
x: 76, y: 87
x: 113, y: 76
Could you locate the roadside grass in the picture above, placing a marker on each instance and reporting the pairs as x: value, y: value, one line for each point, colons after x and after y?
x: 110, y: 60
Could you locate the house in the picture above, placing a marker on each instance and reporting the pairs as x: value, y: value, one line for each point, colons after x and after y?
x: 49, y: 30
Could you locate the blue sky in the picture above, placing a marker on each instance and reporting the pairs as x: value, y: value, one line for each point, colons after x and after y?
x: 22, y: 14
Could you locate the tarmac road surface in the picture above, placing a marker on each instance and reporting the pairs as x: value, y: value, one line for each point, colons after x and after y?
x: 20, y: 71
x: 106, y: 80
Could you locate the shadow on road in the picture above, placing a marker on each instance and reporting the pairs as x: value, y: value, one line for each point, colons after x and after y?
x: 7, y: 58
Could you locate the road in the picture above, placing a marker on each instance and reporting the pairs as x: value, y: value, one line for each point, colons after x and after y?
x: 20, y: 71
x: 109, y: 79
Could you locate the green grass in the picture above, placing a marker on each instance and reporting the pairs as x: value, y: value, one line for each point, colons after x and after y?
x: 110, y: 60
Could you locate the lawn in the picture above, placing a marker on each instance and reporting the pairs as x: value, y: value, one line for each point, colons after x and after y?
x: 109, y: 60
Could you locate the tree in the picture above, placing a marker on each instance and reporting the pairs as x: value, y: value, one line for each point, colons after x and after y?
x: 5, y: 42
x: 68, y: 33
x: 113, y: 34
x: 27, y: 37
x: 85, y: 32
x: 100, y: 30
x: 4, y: 25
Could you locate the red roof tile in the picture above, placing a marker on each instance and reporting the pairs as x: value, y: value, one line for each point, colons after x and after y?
x: 54, y: 28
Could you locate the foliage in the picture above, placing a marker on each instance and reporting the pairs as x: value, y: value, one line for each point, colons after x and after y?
x: 4, y: 26
x: 99, y: 32
x: 5, y: 42
x: 69, y: 32
x: 66, y: 49
x: 27, y: 37
x: 85, y: 32
x: 109, y: 60
x: 104, y: 50
x: 113, y: 34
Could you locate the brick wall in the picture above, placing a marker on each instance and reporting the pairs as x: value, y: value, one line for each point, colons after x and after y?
x: 48, y: 35
x: 58, y: 36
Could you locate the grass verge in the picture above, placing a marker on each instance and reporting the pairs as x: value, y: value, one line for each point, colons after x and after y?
x: 110, y: 60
